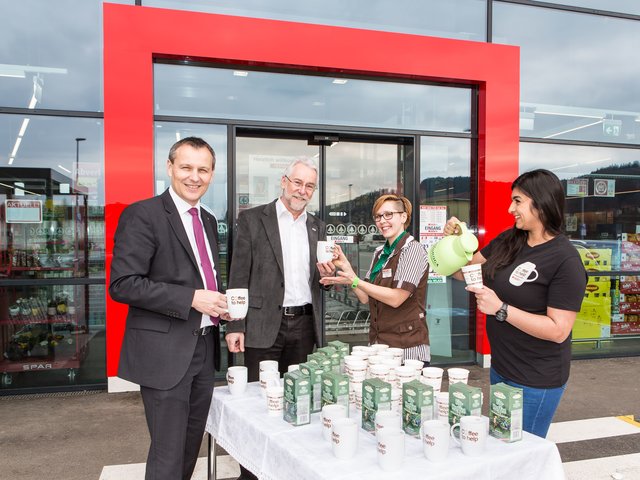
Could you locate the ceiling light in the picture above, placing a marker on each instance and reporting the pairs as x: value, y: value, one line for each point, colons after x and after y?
x: 65, y: 169
x: 340, y: 81
x: 240, y: 73
x: 23, y: 128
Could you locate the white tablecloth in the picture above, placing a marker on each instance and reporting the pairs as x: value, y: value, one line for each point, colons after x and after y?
x: 274, y: 450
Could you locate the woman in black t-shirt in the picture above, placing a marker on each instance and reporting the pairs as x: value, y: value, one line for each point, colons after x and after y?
x: 534, y: 285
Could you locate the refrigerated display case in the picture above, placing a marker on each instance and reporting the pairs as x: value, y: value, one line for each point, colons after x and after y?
x: 43, y: 252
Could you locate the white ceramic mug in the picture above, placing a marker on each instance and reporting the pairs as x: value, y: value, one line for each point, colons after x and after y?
x: 330, y: 413
x: 442, y: 406
x: 269, y: 378
x: 324, y: 251
x: 473, y: 434
x: 344, y: 438
x: 237, y: 380
x: 268, y: 365
x: 473, y: 275
x: 293, y: 367
x: 432, y: 376
x: 458, y: 375
x: 405, y: 374
x: 435, y: 439
x: 387, y: 419
x: 379, y: 371
x: 275, y: 401
x: 379, y: 347
x: 390, y: 449
x: 417, y: 365
x: 237, y: 302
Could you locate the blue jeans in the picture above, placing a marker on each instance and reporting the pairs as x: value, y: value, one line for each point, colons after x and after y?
x: 540, y: 404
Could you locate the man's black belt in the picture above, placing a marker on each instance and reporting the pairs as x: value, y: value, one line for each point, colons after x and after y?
x: 300, y: 310
x: 202, y: 331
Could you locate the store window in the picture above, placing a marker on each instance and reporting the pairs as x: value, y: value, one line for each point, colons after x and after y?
x: 280, y: 97
x: 620, y: 6
x: 463, y: 19
x: 51, y: 54
x: 52, y: 295
x: 602, y: 219
x: 574, y: 85
x: 445, y: 191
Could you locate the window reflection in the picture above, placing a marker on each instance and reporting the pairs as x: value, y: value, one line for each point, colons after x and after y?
x: 253, y: 95
x: 573, y: 86
x: 620, y: 6
x: 463, y: 19
x: 445, y: 181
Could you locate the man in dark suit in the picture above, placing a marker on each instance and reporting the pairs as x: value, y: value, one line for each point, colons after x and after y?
x: 165, y: 267
x: 274, y: 256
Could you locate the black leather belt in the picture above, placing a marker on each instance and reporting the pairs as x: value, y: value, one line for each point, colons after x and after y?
x: 294, y: 311
x: 202, y: 331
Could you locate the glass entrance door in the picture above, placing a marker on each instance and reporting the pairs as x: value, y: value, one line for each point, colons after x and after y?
x: 356, y: 174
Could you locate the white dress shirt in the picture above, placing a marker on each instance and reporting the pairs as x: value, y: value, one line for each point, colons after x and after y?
x: 295, y: 256
x: 187, y: 220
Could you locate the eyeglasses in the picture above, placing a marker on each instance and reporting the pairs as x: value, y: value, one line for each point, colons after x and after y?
x: 385, y: 215
x: 309, y: 187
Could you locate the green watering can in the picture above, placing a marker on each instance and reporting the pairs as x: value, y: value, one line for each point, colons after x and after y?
x: 453, y: 252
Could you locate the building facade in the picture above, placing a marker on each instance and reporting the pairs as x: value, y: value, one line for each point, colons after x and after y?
x: 444, y: 102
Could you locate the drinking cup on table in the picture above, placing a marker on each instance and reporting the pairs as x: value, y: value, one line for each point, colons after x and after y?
x: 269, y: 378
x: 398, y: 353
x: 473, y: 434
x: 379, y: 371
x: 458, y: 375
x: 432, y: 376
x: 418, y: 365
x: 357, y: 371
x: 405, y: 374
x: 435, y: 439
x: 473, y: 275
x: 390, y: 449
x: 237, y: 380
x: 344, y: 438
x: 442, y: 406
x: 324, y: 251
x: 268, y: 365
x: 379, y: 347
x: 396, y: 399
x: 293, y: 367
x: 331, y: 413
x: 275, y: 401
x: 237, y: 302
x: 387, y: 419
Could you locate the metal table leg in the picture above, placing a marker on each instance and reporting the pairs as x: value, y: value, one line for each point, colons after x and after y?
x: 211, y: 459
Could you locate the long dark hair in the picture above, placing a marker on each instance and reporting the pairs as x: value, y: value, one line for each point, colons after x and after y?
x: 547, y: 198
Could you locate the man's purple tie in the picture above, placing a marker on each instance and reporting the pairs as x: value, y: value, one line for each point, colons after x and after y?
x: 205, y: 263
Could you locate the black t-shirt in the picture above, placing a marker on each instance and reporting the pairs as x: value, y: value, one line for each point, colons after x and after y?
x: 556, y: 279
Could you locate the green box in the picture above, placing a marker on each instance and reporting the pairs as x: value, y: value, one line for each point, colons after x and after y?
x: 376, y: 395
x: 314, y: 372
x: 297, y: 398
x: 335, y: 389
x: 505, y: 412
x: 334, y: 355
x: 417, y: 406
x: 322, y: 360
x: 464, y: 400
x: 341, y: 347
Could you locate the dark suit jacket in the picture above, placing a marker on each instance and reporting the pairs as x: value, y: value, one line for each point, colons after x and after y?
x: 257, y: 265
x: 154, y: 271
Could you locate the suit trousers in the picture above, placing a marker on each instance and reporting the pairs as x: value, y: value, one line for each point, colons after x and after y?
x: 294, y: 342
x: 176, y: 417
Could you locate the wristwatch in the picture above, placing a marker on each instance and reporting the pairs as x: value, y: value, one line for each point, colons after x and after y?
x: 501, y: 315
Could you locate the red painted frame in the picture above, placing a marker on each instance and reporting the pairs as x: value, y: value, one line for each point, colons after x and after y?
x: 134, y: 36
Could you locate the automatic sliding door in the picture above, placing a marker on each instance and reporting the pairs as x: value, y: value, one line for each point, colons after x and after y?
x: 356, y: 173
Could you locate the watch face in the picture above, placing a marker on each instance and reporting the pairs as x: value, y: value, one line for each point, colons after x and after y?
x: 501, y: 315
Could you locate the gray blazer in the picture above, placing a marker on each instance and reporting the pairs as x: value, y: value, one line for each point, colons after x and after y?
x: 257, y: 265
x: 154, y: 271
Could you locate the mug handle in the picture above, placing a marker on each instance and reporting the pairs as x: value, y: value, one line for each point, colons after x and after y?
x: 455, y: 439
x: 463, y: 228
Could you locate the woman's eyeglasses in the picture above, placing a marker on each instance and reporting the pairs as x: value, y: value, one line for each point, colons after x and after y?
x: 385, y: 215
